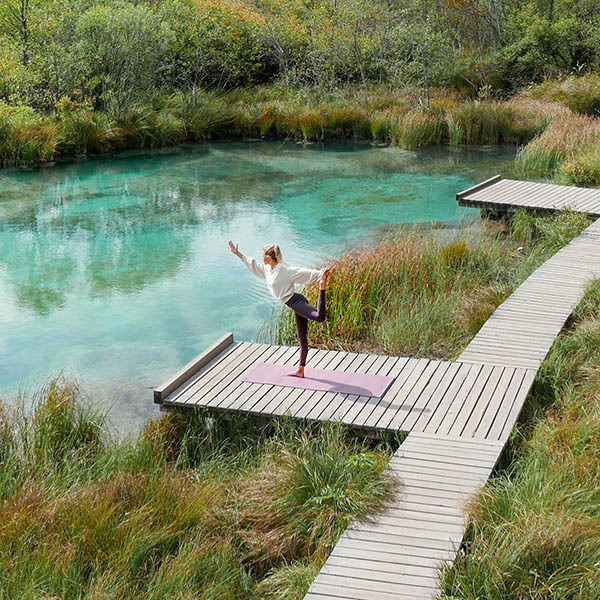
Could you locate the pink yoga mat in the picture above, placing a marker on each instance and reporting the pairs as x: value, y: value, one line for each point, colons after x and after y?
x: 360, y: 384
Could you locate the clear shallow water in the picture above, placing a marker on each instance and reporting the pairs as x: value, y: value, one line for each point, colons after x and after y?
x: 117, y: 269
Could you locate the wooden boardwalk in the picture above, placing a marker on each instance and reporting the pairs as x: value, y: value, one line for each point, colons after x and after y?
x: 458, y: 415
x: 521, y: 330
x: 471, y: 400
x: 397, y: 554
x: 508, y: 194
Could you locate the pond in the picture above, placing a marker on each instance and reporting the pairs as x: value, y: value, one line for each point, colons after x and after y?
x: 116, y: 269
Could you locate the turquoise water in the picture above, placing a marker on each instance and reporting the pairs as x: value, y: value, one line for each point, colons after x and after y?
x: 117, y: 269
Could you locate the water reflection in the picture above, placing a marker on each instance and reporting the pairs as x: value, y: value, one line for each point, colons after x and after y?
x: 119, y: 267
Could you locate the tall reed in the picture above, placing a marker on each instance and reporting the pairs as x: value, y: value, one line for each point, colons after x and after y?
x: 418, y: 295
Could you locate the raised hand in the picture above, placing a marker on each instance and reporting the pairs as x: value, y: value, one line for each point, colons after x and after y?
x: 234, y: 248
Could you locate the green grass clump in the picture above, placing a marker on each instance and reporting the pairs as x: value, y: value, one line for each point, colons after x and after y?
x: 192, y: 507
x: 534, y: 529
x: 582, y: 169
x: 413, y: 294
x: 490, y: 123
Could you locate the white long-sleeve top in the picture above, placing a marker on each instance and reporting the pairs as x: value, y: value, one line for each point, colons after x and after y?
x: 282, y: 277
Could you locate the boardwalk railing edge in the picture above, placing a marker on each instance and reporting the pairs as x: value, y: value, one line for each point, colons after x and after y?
x: 478, y: 187
x: 171, y: 384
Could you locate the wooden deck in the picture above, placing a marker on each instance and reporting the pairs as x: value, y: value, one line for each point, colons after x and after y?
x: 508, y: 194
x: 458, y: 415
x: 470, y: 400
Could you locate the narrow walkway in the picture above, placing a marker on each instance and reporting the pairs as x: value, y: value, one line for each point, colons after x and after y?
x: 459, y: 415
x: 508, y: 194
x: 397, y: 555
x: 522, y: 329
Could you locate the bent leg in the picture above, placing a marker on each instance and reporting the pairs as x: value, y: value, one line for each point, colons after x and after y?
x: 308, y: 311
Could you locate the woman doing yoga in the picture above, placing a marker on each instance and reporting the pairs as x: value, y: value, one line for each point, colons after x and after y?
x: 280, y: 278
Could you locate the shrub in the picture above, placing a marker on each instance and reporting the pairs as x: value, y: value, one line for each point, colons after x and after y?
x: 582, y: 169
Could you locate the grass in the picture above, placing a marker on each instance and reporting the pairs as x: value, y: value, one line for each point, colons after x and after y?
x: 378, y: 113
x: 193, y: 507
x: 413, y: 294
x: 534, y: 528
x: 556, y: 124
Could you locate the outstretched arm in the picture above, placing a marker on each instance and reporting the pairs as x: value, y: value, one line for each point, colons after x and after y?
x: 256, y: 268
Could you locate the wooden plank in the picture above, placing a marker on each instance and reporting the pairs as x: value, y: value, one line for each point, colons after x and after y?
x: 192, y: 367
x: 376, y: 566
x: 478, y: 448
x: 268, y: 405
x: 249, y: 394
x: 379, y: 580
x: 277, y: 394
x: 442, y: 457
x: 348, y: 581
x: 290, y: 401
x: 463, y: 397
x: 214, y: 392
x: 194, y: 392
x: 412, y: 397
x: 515, y: 410
x: 518, y: 401
x: 368, y: 418
x: 213, y: 366
x: 419, y: 520
x: 321, y: 589
x: 507, y: 398
x: 383, y: 414
x: 458, y: 473
x: 399, y: 555
x: 479, y: 186
x: 324, y: 405
x: 491, y: 396
x: 381, y: 366
x: 314, y: 407
x: 355, y: 410
x: 422, y: 405
x: 461, y: 384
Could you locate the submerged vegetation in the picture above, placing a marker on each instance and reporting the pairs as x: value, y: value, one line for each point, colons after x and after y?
x: 414, y: 294
x: 191, y: 508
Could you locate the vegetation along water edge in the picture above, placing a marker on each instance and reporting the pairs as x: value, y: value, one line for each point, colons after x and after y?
x: 245, y: 509
x: 80, y: 77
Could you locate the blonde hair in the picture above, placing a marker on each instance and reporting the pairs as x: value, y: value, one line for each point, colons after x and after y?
x: 273, y: 251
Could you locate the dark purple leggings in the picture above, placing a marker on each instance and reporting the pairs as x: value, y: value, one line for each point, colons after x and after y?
x: 304, y: 311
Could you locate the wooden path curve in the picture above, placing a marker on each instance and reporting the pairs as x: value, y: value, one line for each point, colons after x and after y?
x: 458, y: 415
x: 522, y: 330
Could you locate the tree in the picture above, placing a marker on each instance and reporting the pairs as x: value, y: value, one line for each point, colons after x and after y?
x: 16, y: 16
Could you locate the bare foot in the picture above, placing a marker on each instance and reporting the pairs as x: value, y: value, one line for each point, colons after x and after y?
x: 324, y: 277
x: 298, y: 373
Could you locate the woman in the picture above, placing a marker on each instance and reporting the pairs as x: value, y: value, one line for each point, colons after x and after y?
x: 280, y: 278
